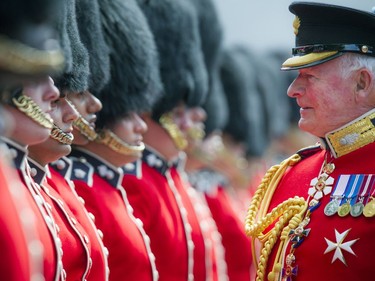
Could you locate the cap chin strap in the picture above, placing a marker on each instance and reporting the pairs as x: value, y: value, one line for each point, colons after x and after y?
x: 85, y: 129
x: 60, y: 136
x: 26, y: 105
x: 166, y: 121
x: 111, y: 140
x: 310, y: 55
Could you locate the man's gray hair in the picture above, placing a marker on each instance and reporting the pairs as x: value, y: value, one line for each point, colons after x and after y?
x: 351, y: 62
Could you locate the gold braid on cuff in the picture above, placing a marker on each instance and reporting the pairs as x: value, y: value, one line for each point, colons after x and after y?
x: 26, y: 105
x: 109, y: 139
x: 85, y: 129
x: 61, y: 136
x: 166, y: 121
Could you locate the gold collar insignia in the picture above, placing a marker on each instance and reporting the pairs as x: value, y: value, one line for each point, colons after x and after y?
x: 353, y: 135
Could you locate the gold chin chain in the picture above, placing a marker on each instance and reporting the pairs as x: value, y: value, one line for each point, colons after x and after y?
x: 109, y: 139
x: 26, y: 105
x: 286, y: 216
x: 196, y: 133
x: 61, y: 136
x: 85, y: 129
x: 166, y: 121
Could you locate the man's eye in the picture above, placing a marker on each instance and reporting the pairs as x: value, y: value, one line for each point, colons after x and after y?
x: 308, y: 75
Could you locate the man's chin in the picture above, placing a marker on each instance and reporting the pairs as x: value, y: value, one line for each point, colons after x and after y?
x: 304, y: 125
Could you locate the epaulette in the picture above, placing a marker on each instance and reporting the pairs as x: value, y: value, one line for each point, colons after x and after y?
x: 133, y: 169
x: 37, y: 172
x: 17, y: 153
x: 207, y: 181
x: 155, y: 161
x: 309, y: 151
x: 81, y: 170
x: 101, y: 167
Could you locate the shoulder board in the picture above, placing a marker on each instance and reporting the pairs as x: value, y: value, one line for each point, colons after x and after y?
x: 81, y: 171
x: 308, y: 151
x: 134, y: 168
x: 63, y: 166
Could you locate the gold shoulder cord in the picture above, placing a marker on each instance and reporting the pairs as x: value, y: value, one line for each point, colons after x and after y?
x: 288, y: 214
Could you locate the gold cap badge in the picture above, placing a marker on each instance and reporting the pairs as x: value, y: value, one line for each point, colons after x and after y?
x: 296, y: 24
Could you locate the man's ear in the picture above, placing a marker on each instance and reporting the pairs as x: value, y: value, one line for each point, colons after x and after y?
x: 365, y: 83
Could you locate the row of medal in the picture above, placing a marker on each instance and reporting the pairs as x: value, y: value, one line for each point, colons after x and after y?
x: 352, y: 194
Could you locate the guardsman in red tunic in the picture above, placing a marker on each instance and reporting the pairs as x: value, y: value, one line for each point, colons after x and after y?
x: 213, y: 166
x: 209, y: 23
x: 31, y: 105
x: 84, y: 256
x: 21, y: 248
x: 311, y: 216
x: 216, y: 268
x: 169, y: 216
x: 97, y: 165
x: 236, y: 245
x: 19, y: 261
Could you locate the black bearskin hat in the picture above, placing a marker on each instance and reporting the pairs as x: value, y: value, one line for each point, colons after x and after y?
x: 216, y: 108
x: 245, y: 123
x: 76, y: 72
x: 91, y: 33
x: 211, y: 35
x: 135, y: 80
x: 211, y: 32
x: 174, y: 24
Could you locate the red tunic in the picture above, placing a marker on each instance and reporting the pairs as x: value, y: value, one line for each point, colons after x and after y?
x: 129, y: 252
x: 16, y: 262
x: 157, y: 203
x: 51, y: 259
x: 76, y: 240
x: 236, y: 243
x: 208, y: 251
x: 336, y: 248
x: 196, y: 232
x: 97, y: 253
